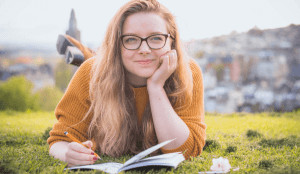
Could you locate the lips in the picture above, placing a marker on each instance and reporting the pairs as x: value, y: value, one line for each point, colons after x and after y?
x: 144, y: 62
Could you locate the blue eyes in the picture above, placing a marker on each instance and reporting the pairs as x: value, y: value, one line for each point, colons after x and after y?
x: 131, y: 40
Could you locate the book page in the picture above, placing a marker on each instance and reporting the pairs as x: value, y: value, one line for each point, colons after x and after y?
x: 163, y: 156
x: 105, y: 167
x: 170, y: 160
x: 146, y: 152
x: 117, y: 167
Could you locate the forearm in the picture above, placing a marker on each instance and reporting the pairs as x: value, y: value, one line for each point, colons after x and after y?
x: 58, y: 150
x: 167, y: 124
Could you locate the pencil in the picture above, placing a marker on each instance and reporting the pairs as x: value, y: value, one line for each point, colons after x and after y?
x: 77, y: 141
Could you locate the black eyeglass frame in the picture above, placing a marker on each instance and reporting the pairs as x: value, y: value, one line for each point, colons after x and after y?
x: 145, y: 39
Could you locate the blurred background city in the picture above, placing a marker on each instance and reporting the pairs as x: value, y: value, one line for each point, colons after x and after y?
x: 249, y: 51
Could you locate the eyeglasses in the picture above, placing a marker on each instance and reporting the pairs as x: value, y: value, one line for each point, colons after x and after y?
x: 156, y: 41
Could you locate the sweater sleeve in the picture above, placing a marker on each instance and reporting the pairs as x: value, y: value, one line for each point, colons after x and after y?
x: 193, y: 116
x: 72, y: 108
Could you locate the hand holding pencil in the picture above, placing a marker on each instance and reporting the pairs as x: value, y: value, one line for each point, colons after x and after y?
x: 77, y: 141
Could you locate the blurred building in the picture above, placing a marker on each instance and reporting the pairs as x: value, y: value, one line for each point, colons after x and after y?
x: 255, y: 71
x: 73, y: 31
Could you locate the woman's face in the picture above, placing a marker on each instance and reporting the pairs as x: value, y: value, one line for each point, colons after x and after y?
x: 141, y: 63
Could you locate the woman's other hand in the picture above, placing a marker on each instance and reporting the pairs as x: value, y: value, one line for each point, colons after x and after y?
x: 164, y: 71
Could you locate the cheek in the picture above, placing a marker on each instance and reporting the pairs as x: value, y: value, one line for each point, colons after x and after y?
x: 126, y: 55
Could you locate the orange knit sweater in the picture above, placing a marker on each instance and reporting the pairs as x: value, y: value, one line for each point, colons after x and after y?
x: 75, y: 103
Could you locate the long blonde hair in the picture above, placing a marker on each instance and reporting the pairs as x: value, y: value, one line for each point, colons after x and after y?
x: 114, y: 125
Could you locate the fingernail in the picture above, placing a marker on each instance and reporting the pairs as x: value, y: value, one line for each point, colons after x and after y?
x: 92, y: 153
x: 95, y: 158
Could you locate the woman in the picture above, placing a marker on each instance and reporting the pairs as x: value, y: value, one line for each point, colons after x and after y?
x: 139, y: 90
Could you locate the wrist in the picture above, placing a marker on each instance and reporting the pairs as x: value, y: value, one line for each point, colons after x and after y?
x: 154, y: 88
x: 151, y: 85
x: 154, y: 84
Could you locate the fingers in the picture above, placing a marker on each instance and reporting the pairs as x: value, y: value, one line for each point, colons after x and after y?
x: 164, y: 60
x: 75, y: 158
x: 79, y: 148
x: 173, y: 60
x: 169, y: 60
x: 88, y: 143
x: 79, y: 155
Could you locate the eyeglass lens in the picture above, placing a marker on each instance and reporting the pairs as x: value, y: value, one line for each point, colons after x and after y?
x: 154, y: 42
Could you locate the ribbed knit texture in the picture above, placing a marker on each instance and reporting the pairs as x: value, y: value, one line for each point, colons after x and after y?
x: 75, y: 103
x: 141, y: 98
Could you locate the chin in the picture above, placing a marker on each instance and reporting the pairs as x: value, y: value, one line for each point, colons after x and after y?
x: 145, y: 75
x: 141, y: 73
x: 149, y: 73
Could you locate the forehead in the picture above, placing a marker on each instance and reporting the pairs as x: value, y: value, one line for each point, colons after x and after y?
x: 144, y: 24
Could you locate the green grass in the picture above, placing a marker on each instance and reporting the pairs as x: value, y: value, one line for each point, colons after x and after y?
x: 254, y: 143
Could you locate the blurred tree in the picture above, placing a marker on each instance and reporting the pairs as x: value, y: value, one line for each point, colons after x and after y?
x: 16, y: 94
x: 63, y: 75
x: 49, y: 98
x: 219, y: 69
x: 199, y: 54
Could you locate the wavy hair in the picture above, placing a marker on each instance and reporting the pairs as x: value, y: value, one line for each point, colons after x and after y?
x: 114, y: 125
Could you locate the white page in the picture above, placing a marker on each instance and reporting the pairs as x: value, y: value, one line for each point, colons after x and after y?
x: 163, y: 156
x: 146, y: 152
x: 105, y: 167
x: 116, y: 167
x: 170, y: 162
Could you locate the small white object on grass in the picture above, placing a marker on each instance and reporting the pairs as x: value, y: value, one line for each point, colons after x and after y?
x: 220, y: 165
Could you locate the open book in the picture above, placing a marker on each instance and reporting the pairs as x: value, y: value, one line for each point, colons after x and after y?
x: 137, y: 161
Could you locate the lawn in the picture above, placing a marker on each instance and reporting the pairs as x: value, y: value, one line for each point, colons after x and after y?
x: 253, y: 143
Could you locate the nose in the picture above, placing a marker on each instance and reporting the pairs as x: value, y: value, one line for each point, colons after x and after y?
x: 144, y: 48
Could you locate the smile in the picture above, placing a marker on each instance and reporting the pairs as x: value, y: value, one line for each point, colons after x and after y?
x: 144, y: 62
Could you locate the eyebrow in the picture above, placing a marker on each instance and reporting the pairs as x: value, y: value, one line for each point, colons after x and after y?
x: 134, y: 34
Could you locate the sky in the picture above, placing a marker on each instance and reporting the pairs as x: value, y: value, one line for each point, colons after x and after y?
x: 39, y: 22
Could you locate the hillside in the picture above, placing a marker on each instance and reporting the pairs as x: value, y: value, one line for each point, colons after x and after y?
x: 243, y: 71
x: 255, y: 40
